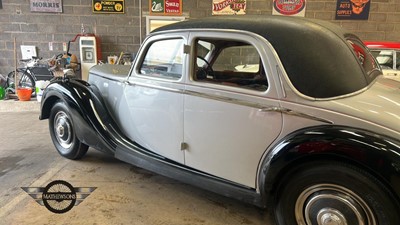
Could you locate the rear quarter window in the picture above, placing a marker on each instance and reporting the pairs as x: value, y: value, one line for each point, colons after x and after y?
x: 366, y: 59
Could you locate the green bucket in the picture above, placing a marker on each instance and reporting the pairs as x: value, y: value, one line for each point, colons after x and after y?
x: 2, y: 93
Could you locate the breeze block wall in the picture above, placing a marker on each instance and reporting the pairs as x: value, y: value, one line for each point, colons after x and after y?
x: 123, y: 32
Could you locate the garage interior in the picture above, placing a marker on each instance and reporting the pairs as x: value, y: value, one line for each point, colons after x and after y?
x: 124, y: 194
x: 124, y: 32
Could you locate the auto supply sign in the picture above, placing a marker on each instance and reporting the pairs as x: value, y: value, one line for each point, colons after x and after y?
x: 229, y: 7
x: 289, y: 7
x: 352, y: 9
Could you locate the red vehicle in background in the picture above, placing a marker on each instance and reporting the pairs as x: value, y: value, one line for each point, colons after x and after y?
x: 388, y: 56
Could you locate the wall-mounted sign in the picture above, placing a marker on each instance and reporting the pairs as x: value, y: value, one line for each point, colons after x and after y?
x: 54, y: 6
x: 289, y: 7
x: 165, y: 7
x: 352, y: 9
x: 229, y: 7
x: 114, y: 6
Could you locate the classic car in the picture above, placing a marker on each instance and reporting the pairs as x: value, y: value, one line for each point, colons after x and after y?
x: 388, y: 56
x: 311, y: 129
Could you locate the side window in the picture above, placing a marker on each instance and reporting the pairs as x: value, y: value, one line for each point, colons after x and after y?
x: 230, y: 63
x: 164, y: 59
x: 398, y: 60
x: 238, y: 59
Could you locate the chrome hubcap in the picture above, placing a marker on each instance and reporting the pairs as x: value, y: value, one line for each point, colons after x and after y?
x: 327, y: 204
x: 62, y: 129
x: 328, y: 216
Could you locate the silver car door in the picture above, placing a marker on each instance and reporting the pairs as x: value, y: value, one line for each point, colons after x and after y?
x: 229, y: 120
x: 152, y: 114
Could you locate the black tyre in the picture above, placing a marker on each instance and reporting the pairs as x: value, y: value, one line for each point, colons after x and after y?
x: 25, y: 80
x: 333, y: 193
x: 63, y: 134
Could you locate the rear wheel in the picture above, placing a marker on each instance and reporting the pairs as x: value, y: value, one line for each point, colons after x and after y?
x: 62, y: 133
x: 334, y: 194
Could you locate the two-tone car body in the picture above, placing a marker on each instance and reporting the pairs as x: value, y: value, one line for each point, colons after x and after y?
x: 281, y: 111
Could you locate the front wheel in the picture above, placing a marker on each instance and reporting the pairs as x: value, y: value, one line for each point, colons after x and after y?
x: 333, y: 193
x: 62, y: 133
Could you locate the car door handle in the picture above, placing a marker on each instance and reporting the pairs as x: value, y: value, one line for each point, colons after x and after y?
x: 270, y: 109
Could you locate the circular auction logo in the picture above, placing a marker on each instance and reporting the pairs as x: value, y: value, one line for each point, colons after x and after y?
x: 59, y: 196
x: 289, y: 7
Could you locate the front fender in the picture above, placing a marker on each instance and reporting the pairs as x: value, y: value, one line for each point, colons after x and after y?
x: 88, y: 113
x: 378, y: 155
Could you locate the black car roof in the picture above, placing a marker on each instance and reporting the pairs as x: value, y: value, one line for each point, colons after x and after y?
x: 262, y: 25
x: 315, y: 54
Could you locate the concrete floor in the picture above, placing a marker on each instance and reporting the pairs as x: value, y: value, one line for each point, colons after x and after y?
x: 125, y: 194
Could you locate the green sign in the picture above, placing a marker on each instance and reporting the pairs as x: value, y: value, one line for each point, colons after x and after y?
x: 156, y: 6
x: 165, y: 7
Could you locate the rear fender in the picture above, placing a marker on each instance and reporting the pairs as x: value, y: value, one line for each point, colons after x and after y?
x: 376, y: 154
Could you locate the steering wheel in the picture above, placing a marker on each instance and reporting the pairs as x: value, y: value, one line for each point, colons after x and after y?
x: 203, y: 72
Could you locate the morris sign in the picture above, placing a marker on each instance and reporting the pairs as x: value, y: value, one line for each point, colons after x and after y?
x: 54, y: 6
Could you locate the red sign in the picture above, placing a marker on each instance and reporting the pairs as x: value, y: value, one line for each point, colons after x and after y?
x: 289, y: 7
x: 173, y: 7
x: 165, y: 7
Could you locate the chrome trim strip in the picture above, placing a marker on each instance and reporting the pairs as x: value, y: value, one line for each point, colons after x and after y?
x: 279, y: 72
x: 108, y: 77
x: 174, y: 90
x: 97, y: 115
x: 226, y: 99
x: 293, y: 113
x: 260, y: 107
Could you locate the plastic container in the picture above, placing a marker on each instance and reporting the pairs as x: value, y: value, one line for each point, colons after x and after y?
x: 40, y: 86
x: 2, y: 93
x: 24, y: 94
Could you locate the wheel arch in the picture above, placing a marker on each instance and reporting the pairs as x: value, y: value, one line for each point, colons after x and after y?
x: 86, y: 108
x: 377, y: 155
x: 46, y: 106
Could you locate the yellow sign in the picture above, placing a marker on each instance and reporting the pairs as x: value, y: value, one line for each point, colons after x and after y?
x: 114, y: 6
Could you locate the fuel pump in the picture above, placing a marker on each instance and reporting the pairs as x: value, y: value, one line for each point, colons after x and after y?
x: 90, y: 52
